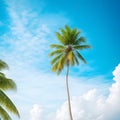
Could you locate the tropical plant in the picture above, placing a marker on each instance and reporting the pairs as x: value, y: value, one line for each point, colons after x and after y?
x: 6, y: 105
x: 67, y: 53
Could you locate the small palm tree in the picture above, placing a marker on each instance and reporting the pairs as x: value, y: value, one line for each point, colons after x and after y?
x: 67, y: 53
x: 5, y: 103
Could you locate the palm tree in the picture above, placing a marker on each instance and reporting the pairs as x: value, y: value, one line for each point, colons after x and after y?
x: 5, y: 103
x: 67, y: 53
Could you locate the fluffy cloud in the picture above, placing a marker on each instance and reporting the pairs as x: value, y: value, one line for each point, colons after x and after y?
x: 36, y: 112
x: 94, y: 106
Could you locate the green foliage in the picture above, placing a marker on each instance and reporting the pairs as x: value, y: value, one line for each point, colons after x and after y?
x: 5, y: 102
x: 4, y: 114
x: 58, y: 51
x: 6, y: 83
x: 57, y: 46
x: 3, y: 65
x: 80, y: 47
x: 68, y: 50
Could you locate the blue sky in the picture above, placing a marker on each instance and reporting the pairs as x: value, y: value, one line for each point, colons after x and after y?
x: 28, y: 28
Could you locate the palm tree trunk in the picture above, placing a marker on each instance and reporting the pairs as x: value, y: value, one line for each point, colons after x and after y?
x: 68, y: 95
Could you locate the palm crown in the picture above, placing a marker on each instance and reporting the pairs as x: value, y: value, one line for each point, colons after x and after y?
x: 67, y: 52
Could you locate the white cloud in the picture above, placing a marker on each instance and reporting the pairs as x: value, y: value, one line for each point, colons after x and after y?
x: 94, y: 106
x: 36, y: 112
x: 47, y: 90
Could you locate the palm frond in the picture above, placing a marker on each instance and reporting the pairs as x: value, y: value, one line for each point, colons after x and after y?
x: 62, y: 31
x: 80, y: 40
x: 53, y: 61
x: 80, y: 57
x: 3, y: 65
x: 8, y: 104
x: 74, y: 35
x: 55, y: 66
x: 59, y: 65
x: 68, y: 30
x: 56, y: 52
x: 81, y: 47
x: 4, y: 114
x: 6, y: 83
x: 60, y: 38
x: 75, y: 59
x: 71, y: 58
x: 57, y: 46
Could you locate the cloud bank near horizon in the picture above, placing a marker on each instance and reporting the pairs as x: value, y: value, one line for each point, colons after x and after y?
x: 89, y: 106
x: 94, y: 106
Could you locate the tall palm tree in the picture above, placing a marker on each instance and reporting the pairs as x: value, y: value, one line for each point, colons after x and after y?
x: 6, y: 105
x: 67, y: 53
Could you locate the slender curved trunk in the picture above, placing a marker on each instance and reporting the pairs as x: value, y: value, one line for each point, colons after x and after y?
x: 68, y: 95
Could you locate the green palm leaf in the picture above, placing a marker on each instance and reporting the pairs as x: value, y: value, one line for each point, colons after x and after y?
x: 3, y: 65
x: 71, y: 58
x: 62, y: 31
x: 60, y: 38
x: 81, y: 47
x: 80, y: 57
x: 75, y: 59
x: 59, y: 51
x: 74, y: 35
x: 53, y: 61
x: 4, y: 114
x: 61, y: 64
x: 79, y: 41
x: 68, y: 30
x: 57, y: 46
x: 55, y: 67
x: 6, y: 83
x: 7, y: 103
